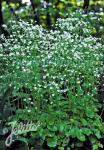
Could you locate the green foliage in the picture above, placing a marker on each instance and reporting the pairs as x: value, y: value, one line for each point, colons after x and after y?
x: 44, y: 9
x: 55, y: 76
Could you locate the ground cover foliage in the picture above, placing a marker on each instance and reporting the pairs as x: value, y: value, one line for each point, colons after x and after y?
x: 52, y: 77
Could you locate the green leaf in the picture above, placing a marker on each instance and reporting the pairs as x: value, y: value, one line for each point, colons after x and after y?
x: 87, y: 131
x: 81, y: 137
x: 98, y: 135
x: 52, y: 142
x: 22, y: 139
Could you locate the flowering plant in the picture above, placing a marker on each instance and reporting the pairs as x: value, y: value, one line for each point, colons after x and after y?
x: 54, y: 75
